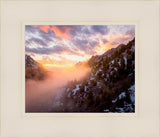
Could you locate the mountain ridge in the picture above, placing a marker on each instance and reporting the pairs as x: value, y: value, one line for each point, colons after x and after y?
x: 110, y: 86
x: 33, y: 69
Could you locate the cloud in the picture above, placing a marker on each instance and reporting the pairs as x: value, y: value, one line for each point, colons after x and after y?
x: 115, y: 42
x: 61, y: 31
x: 80, y: 43
x: 88, y: 30
x: 102, y: 29
x: 49, y: 37
x: 30, y: 29
x: 36, y: 36
x: 93, y: 43
x: 104, y: 41
x: 36, y: 41
x: 44, y: 28
x: 85, y: 45
x: 85, y: 37
x: 124, y: 39
x: 130, y: 33
x: 121, y: 40
x: 57, y: 49
x: 46, y: 50
x: 74, y: 39
x: 64, y: 28
x: 40, y: 40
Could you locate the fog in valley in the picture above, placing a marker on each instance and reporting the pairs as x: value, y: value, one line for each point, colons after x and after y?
x: 42, y: 96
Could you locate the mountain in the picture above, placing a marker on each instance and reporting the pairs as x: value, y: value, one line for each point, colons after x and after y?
x: 110, y: 86
x: 33, y: 69
x: 80, y: 64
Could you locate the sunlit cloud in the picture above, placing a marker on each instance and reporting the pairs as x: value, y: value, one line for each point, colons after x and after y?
x: 65, y: 45
x: 44, y: 28
x: 61, y: 31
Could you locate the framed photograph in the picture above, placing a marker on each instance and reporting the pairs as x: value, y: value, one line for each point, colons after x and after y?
x: 88, y: 66
x: 79, y: 68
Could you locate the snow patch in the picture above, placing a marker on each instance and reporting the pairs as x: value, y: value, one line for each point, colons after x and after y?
x: 119, y: 63
x: 132, y: 88
x: 122, y: 95
x: 99, y: 84
x: 132, y: 93
x: 112, y: 61
x: 85, y: 88
x: 76, y: 89
x: 100, y: 70
x: 92, y: 78
x: 125, y: 61
x: 120, y: 110
x: 115, y: 69
x: 113, y: 101
x: 106, y: 110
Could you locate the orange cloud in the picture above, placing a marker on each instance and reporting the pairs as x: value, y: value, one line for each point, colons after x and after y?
x: 44, y: 28
x: 61, y: 34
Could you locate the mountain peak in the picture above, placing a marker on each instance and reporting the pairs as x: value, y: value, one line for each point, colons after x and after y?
x: 34, y: 70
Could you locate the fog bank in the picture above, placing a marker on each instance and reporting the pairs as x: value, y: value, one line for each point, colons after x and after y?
x: 40, y: 95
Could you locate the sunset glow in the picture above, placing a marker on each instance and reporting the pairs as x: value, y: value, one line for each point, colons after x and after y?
x: 80, y: 68
x: 66, y: 45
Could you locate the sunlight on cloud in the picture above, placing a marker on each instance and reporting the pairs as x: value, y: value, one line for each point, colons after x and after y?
x: 67, y: 45
x: 58, y: 32
x: 75, y: 58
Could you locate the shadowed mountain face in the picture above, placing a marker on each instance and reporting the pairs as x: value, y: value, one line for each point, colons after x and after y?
x: 33, y: 70
x: 110, y: 86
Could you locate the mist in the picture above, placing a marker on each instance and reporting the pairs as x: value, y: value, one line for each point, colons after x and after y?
x: 41, y: 95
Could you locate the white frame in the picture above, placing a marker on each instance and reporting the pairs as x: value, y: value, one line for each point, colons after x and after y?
x: 81, y: 21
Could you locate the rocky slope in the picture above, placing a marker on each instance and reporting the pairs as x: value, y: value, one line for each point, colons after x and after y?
x: 34, y: 70
x: 110, y: 86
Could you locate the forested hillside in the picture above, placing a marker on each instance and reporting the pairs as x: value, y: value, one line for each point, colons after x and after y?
x: 110, y: 86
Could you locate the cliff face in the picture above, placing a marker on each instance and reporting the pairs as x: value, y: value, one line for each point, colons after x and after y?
x: 34, y: 70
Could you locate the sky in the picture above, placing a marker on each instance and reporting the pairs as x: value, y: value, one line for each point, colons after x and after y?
x: 66, y: 45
